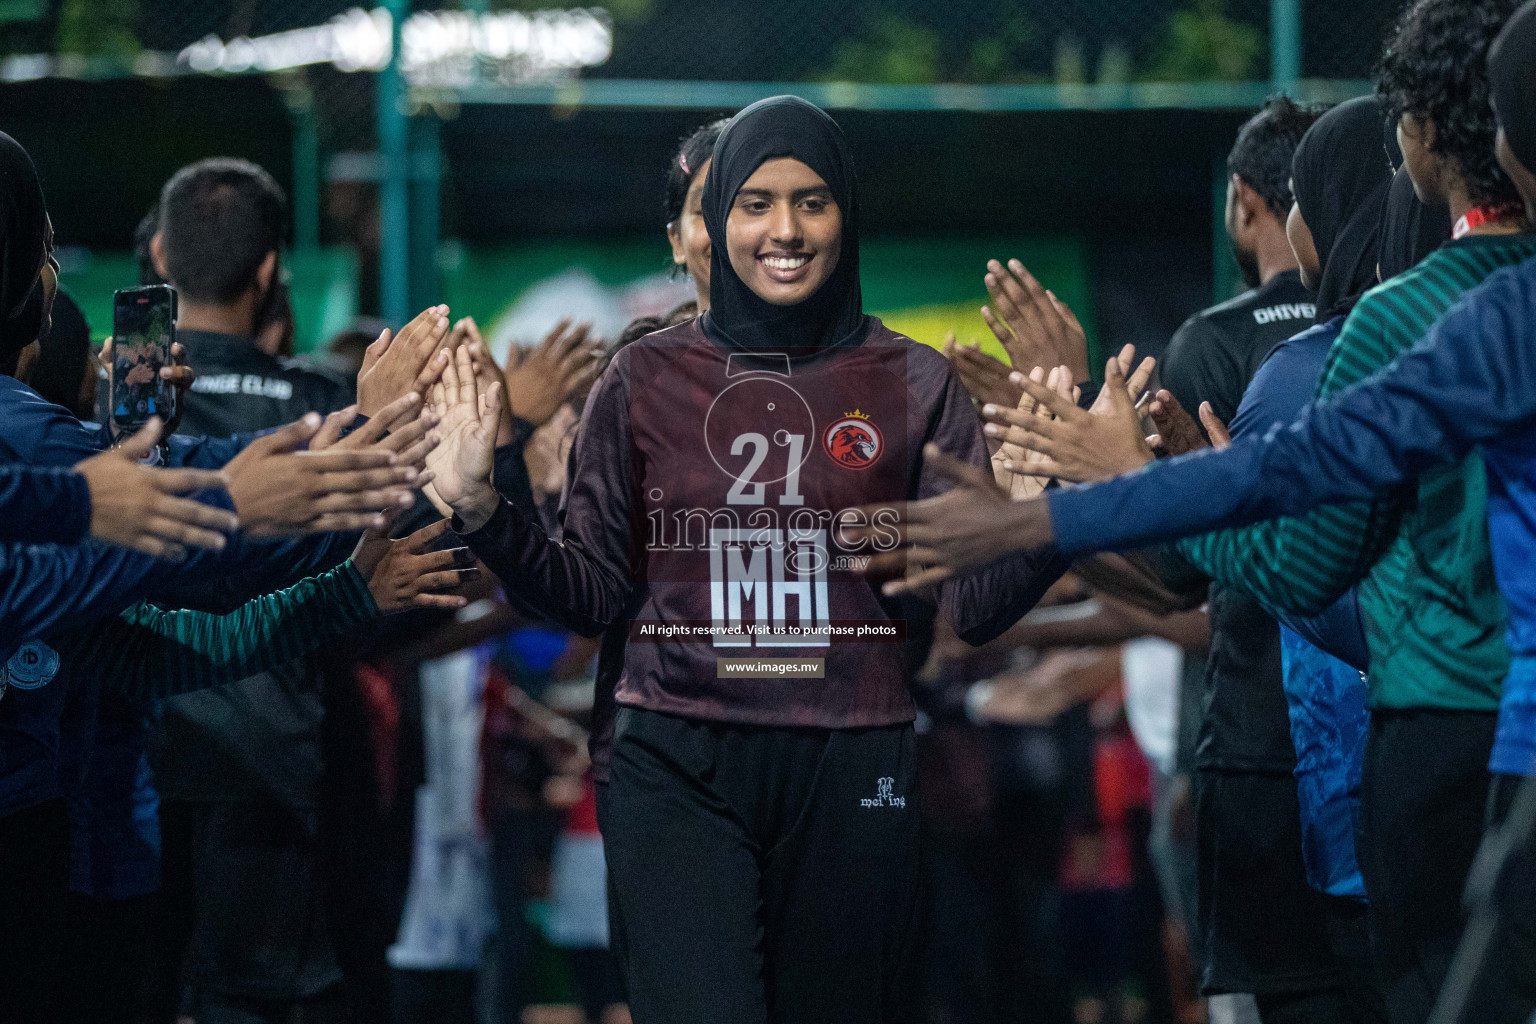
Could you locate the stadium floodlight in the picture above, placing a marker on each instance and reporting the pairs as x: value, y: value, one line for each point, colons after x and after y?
x: 353, y: 41
x: 441, y: 48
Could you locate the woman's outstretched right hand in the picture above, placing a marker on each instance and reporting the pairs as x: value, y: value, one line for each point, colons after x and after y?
x: 138, y: 507
x: 461, y: 464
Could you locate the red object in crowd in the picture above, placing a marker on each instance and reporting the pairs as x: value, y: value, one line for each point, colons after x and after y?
x: 1100, y: 858
x: 581, y: 818
x: 1122, y: 779
x: 381, y: 703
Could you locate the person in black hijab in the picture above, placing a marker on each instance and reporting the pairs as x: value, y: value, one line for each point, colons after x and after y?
x: 784, y: 126
x: 66, y: 372
x: 1340, y: 178
x: 1514, y: 88
x: 762, y: 769
x: 28, y: 275
x: 1410, y: 230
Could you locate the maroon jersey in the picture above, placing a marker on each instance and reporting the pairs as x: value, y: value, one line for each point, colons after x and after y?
x: 710, y: 500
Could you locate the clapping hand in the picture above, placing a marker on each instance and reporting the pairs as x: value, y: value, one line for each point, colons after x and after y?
x: 964, y: 528
x: 407, y: 573
x: 1135, y: 381
x: 466, y: 335
x: 1079, y: 446
x: 280, y: 488
x: 545, y: 378
x: 1036, y: 327
x: 1177, y: 433
x: 396, y: 365
x: 136, y: 506
x: 461, y: 465
x: 1025, y: 485
x: 985, y: 377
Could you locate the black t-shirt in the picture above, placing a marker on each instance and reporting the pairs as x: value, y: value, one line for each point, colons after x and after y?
x: 1218, y: 350
x: 1245, y: 726
x: 241, y: 388
x: 260, y: 737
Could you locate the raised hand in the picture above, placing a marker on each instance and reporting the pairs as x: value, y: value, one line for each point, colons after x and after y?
x: 136, y: 506
x: 1214, y: 427
x: 1003, y: 453
x: 465, y: 332
x: 466, y: 335
x: 404, y: 573
x: 461, y: 464
x: 958, y: 531
x: 279, y: 488
x: 1177, y: 433
x: 1020, y: 485
x: 1077, y: 446
x: 984, y: 376
x: 1034, y: 326
x: 1135, y: 381
x: 396, y: 365
x: 403, y: 427
x: 564, y: 362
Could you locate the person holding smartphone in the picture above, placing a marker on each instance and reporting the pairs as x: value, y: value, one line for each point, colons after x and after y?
x: 217, y: 241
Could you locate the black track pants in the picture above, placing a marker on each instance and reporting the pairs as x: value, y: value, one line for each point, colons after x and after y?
x: 1423, y: 795
x: 761, y: 874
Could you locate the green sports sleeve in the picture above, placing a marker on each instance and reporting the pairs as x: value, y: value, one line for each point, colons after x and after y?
x: 148, y: 652
x: 1301, y: 565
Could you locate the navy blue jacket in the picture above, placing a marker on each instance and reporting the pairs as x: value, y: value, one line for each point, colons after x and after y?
x: 43, y: 506
x: 44, y: 588
x: 1470, y: 381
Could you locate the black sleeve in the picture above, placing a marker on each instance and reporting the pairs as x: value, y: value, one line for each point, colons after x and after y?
x: 1197, y: 367
x: 582, y: 580
x: 511, y: 474
x: 980, y: 606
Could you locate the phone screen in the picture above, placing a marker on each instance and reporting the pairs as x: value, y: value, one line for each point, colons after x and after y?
x: 143, y: 328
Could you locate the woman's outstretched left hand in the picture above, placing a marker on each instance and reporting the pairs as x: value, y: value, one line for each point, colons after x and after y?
x: 461, y: 464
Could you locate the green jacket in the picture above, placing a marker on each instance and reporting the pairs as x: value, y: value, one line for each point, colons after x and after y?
x: 1433, y: 615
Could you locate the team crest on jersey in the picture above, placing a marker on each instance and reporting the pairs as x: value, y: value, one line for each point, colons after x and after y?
x: 31, y: 667
x: 853, y: 442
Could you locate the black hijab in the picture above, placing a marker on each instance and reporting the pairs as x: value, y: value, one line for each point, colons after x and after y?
x: 1410, y: 230
x: 24, y: 223
x: 66, y: 351
x: 1340, y: 178
x: 834, y: 315
x: 1512, y: 73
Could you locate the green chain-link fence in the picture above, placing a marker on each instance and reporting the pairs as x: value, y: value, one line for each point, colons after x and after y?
x: 979, y: 42
x: 376, y: 168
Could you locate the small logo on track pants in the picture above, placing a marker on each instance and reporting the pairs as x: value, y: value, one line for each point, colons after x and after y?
x: 884, y: 797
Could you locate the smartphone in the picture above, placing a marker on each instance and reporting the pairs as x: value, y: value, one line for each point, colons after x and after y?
x: 143, y: 330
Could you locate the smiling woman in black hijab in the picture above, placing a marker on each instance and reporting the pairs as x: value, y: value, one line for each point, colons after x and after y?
x: 771, y: 129
x: 761, y: 776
